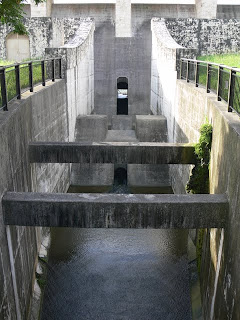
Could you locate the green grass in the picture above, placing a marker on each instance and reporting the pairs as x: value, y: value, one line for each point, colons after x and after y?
x: 231, y: 60
x: 24, y: 78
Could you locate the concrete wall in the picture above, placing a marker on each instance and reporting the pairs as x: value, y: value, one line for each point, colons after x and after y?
x: 48, y: 114
x: 121, y: 57
x: 190, y: 106
x: 78, y: 63
x: 221, y: 254
x: 41, y: 116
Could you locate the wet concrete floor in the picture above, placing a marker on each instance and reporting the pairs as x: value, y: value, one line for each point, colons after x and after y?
x: 117, y: 274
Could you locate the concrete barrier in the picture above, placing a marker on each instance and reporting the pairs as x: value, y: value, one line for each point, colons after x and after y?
x: 111, y: 152
x: 115, y: 210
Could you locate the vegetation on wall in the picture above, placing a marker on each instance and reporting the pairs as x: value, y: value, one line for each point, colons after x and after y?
x: 199, y: 180
x: 11, y: 13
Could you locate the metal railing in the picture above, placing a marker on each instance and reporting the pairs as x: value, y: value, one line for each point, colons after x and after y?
x: 222, y: 80
x: 20, y: 77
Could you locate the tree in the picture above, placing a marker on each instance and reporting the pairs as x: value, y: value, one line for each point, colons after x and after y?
x: 11, y: 13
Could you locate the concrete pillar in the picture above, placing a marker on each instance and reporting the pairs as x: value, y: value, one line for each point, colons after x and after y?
x: 206, y: 9
x: 123, y: 18
x: 39, y: 10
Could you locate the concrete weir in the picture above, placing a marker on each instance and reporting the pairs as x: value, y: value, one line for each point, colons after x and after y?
x: 115, y: 210
x: 112, y: 152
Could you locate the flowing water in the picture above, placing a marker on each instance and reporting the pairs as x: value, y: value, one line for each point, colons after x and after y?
x: 117, y: 274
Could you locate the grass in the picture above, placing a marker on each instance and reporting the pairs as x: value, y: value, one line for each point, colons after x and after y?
x: 231, y: 59
x: 24, y: 77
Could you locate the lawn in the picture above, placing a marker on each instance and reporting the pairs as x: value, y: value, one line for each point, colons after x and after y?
x: 24, y: 77
x: 231, y: 60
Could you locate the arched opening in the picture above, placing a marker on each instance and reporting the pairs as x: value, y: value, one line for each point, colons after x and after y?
x: 122, y: 95
x: 18, y: 47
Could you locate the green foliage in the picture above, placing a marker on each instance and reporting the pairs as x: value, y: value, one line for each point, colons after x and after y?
x: 24, y: 78
x: 41, y: 280
x: 199, y: 180
x: 199, y: 244
x: 11, y: 13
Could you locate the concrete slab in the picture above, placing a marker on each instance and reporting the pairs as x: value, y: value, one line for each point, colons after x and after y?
x: 111, y: 152
x: 122, y: 122
x: 115, y: 210
x: 151, y: 128
x: 92, y: 174
x: 121, y: 136
x: 144, y: 175
x: 91, y: 128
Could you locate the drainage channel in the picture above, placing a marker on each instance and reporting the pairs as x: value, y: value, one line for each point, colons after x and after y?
x: 113, y: 274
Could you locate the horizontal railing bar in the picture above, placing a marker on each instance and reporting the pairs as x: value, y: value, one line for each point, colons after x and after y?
x: 21, y: 67
x: 212, y: 63
x: 27, y: 62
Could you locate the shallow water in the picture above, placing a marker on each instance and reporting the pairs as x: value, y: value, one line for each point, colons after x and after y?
x: 117, y: 274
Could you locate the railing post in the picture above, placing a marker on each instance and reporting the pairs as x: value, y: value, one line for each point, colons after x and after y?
x: 60, y: 68
x: 18, y: 85
x: 180, y: 68
x: 208, y: 77
x: 30, y: 68
x: 231, y: 90
x: 219, y: 86
x: 188, y: 67
x: 53, y: 70
x: 4, y: 89
x: 43, y: 72
x: 197, y: 74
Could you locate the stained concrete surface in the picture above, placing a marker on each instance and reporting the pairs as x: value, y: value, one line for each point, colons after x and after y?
x: 117, y: 275
x: 115, y: 210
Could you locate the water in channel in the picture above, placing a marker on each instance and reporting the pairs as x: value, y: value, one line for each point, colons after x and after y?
x: 117, y: 274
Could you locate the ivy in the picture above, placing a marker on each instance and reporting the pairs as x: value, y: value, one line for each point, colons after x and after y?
x: 199, y: 179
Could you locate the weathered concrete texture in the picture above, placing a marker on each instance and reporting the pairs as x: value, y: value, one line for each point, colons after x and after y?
x: 115, y: 210
x: 40, y: 36
x: 206, y: 9
x: 165, y: 52
x: 92, y: 174
x: 221, y: 255
x: 121, y: 136
x: 122, y: 122
x: 78, y: 66
x: 111, y: 152
x: 91, y: 128
x: 123, y: 27
x: 37, y: 116
x: 207, y: 36
x: 151, y: 128
x: 143, y: 175
x: 228, y: 12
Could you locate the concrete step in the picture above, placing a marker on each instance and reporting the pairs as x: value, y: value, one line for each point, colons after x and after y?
x: 122, y: 122
x: 145, y: 175
x: 121, y: 136
x: 151, y: 128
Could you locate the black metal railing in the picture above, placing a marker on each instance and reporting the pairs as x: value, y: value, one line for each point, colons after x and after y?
x: 222, y: 80
x: 20, y: 77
